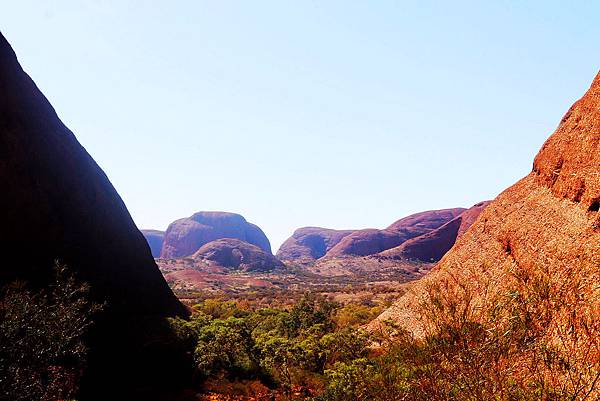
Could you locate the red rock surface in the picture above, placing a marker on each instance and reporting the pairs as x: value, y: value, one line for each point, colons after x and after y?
x: 372, y: 241
x: 431, y: 247
x: 155, y: 239
x: 185, y: 236
x: 310, y: 243
x: 237, y: 255
x: 547, y: 224
x: 57, y: 204
x: 429, y: 220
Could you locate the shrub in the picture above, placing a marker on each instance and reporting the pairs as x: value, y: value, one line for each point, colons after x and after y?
x: 42, y: 353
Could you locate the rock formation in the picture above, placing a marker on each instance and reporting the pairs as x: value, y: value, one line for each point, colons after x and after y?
x: 155, y: 239
x: 237, y: 255
x: 372, y: 241
x: 432, y: 246
x: 57, y: 204
x: 543, y: 229
x: 185, y: 236
x: 310, y: 243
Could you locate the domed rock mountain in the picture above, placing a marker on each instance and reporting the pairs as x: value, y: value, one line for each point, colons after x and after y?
x: 432, y: 246
x: 217, y: 238
x: 372, y: 241
x: 422, y: 237
x: 185, y: 236
x: 308, y: 244
x: 238, y: 255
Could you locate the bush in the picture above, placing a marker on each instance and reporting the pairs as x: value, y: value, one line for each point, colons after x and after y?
x: 42, y: 354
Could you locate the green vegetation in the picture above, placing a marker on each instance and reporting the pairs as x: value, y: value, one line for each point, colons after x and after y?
x: 316, y: 350
x: 42, y: 353
x: 521, y: 343
x: 284, y: 348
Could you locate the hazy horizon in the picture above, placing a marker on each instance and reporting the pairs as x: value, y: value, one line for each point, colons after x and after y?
x: 339, y: 115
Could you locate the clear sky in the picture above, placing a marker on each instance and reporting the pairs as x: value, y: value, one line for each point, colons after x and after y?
x: 340, y: 114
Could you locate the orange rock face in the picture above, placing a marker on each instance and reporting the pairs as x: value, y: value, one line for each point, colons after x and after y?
x: 546, y: 226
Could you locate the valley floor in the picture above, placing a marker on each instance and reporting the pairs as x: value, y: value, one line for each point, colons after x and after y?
x: 357, y: 279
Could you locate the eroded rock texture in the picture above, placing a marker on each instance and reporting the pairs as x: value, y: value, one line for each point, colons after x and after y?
x: 546, y: 227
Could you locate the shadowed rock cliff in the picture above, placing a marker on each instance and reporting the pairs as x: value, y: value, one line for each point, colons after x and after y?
x: 57, y: 204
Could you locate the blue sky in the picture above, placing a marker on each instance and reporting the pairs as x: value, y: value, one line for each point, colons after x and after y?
x: 341, y: 114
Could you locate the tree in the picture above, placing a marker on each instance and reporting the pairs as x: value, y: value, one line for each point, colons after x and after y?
x: 226, y: 346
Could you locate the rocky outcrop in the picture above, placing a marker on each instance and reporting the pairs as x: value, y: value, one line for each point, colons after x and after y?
x: 310, y: 243
x: 58, y: 202
x: 368, y: 242
x: 155, y: 239
x: 542, y: 231
x: 431, y: 247
x: 234, y: 254
x: 429, y: 220
x: 372, y: 241
x: 185, y: 236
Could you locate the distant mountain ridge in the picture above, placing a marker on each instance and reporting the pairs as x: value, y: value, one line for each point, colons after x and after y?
x: 432, y: 246
x: 421, y: 237
x: 308, y: 244
x: 424, y: 236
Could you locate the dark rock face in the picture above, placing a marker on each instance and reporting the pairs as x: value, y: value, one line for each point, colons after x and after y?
x: 185, y: 236
x: 431, y: 247
x: 372, y: 241
x: 155, y: 239
x: 310, y: 243
x: 57, y: 202
x: 237, y: 255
